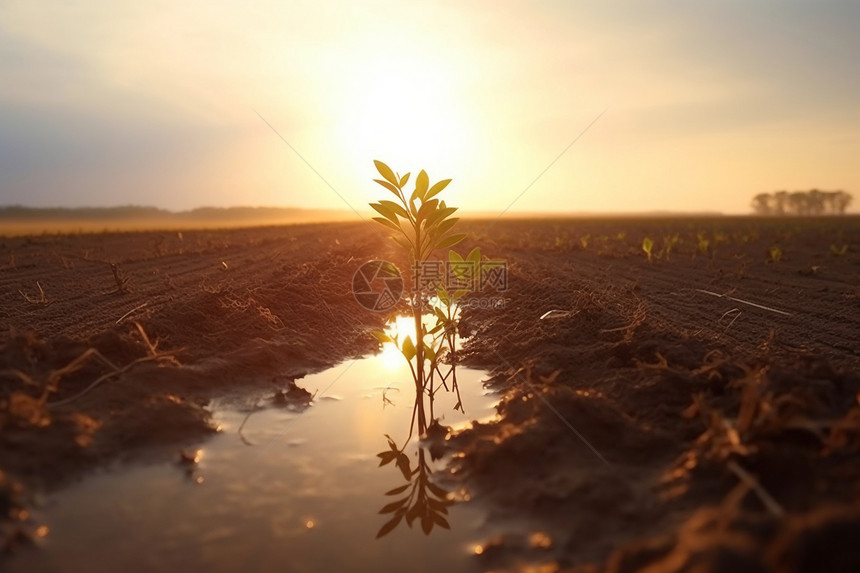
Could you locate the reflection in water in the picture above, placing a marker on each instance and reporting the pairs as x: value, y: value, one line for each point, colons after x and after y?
x: 420, y: 500
x: 307, y: 483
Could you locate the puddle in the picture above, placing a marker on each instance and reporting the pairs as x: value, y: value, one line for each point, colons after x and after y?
x: 303, y: 496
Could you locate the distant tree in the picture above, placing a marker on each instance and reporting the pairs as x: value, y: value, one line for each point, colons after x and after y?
x: 815, y: 202
x: 830, y: 201
x: 843, y: 199
x: 798, y: 203
x: 762, y: 204
x: 780, y: 202
x: 802, y: 203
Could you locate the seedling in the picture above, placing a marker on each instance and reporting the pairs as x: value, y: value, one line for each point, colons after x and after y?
x: 669, y: 243
x: 583, y: 240
x: 774, y: 254
x: 838, y: 251
x: 704, y: 244
x: 422, y: 225
x: 120, y: 278
x: 647, y: 246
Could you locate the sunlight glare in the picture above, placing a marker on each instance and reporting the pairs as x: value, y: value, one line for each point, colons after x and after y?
x: 406, y: 109
x: 402, y: 326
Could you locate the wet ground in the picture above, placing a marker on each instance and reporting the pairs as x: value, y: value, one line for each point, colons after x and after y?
x: 287, y: 483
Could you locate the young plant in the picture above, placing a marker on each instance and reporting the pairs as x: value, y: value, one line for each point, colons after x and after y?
x: 703, y: 243
x: 669, y: 242
x: 583, y: 240
x: 647, y: 246
x: 774, y: 254
x: 838, y: 251
x: 422, y: 225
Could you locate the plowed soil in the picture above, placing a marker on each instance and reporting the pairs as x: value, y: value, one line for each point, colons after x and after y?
x: 695, y: 412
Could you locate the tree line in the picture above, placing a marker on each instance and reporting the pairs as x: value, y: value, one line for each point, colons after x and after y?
x: 813, y: 202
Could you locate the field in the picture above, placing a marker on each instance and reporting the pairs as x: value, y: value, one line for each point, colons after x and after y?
x: 691, y: 408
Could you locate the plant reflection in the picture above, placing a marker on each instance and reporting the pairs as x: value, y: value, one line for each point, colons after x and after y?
x: 419, y: 499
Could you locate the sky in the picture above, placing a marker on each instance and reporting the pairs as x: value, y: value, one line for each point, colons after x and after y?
x: 539, y: 106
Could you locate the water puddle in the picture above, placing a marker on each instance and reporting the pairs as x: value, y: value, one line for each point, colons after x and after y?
x: 294, y: 491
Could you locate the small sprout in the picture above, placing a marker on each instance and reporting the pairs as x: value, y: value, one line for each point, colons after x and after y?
x: 583, y: 240
x: 704, y: 244
x: 669, y: 242
x: 838, y: 251
x: 120, y: 278
x: 774, y: 254
x: 647, y: 246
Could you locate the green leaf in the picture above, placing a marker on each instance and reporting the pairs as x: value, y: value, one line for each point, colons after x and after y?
x: 388, y: 186
x: 404, y: 180
x: 437, y: 188
x: 421, y: 183
x: 388, y: 224
x: 402, y: 241
x: 445, y: 226
x: 454, y: 257
x: 474, y: 256
x: 450, y: 241
x: 381, y: 336
x: 408, y: 349
x: 429, y: 354
x: 647, y: 245
x: 443, y: 295
x: 385, y: 212
x: 398, y: 209
x: 438, y: 218
x: 427, y: 209
x: 386, y: 172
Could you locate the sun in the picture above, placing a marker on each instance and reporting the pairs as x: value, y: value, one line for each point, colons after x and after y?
x: 406, y: 110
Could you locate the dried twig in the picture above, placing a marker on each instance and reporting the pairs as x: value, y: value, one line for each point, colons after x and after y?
x: 761, y: 306
x: 42, y: 299
x: 135, y: 309
x: 750, y: 480
x: 115, y: 373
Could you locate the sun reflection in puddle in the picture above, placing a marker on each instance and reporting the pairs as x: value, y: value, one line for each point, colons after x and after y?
x: 298, y: 470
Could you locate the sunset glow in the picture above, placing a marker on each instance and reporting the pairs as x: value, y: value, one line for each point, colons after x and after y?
x: 705, y: 104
